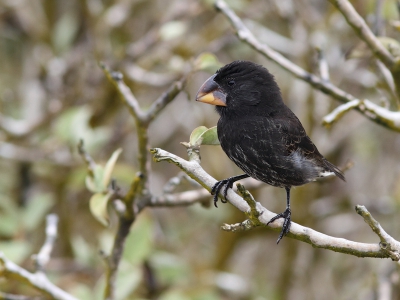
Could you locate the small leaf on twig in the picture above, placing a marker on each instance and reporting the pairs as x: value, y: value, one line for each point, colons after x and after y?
x: 196, y: 135
x: 110, y: 167
x: 95, y: 183
x: 210, y: 137
x: 204, y: 136
x: 100, y: 179
x: 98, y: 207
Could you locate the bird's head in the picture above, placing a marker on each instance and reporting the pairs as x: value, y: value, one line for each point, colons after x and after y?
x: 241, y: 87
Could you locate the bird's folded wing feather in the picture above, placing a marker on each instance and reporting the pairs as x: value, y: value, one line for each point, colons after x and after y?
x: 294, y: 136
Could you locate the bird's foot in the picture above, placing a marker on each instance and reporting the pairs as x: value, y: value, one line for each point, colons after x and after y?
x: 216, y: 189
x: 286, y: 223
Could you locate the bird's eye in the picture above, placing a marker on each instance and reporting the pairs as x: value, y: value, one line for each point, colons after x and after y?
x: 231, y: 82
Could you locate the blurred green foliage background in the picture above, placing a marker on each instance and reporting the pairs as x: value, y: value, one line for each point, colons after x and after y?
x: 53, y: 93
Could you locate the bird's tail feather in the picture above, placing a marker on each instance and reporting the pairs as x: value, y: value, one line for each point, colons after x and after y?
x: 334, y: 169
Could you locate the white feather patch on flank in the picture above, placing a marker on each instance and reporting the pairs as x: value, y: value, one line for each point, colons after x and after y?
x: 326, y: 174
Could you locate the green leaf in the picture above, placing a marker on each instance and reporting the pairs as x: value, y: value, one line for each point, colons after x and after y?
x: 95, y: 183
x: 98, y: 207
x: 210, y: 137
x: 110, y: 167
x: 196, y: 134
x: 90, y: 185
x: 98, y: 183
x: 207, y: 62
x: 204, y: 136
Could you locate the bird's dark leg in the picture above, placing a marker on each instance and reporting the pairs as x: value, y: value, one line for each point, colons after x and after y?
x: 286, y: 215
x: 216, y: 189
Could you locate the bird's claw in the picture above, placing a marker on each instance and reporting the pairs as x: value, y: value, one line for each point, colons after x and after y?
x: 216, y: 189
x: 286, y: 223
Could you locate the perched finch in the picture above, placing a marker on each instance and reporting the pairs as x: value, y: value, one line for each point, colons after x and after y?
x: 260, y: 134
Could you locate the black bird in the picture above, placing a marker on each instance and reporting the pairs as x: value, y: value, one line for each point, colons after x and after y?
x: 260, y: 133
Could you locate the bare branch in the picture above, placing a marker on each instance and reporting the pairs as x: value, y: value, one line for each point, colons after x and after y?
x: 323, y: 65
x: 386, y: 239
x: 298, y: 232
x: 114, y: 258
x: 43, y: 257
x: 194, y: 196
x: 389, y: 81
x: 339, y: 112
x: 181, y: 199
x: 38, y: 279
x: 6, y: 296
x: 135, y: 191
x: 380, y: 115
x: 141, y: 75
x: 138, y: 196
x: 364, y: 32
x: 166, y: 97
x: 246, y: 225
x: 91, y: 165
x: 175, y: 181
x: 126, y: 94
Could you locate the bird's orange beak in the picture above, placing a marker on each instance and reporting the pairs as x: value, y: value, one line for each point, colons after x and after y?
x: 210, y: 92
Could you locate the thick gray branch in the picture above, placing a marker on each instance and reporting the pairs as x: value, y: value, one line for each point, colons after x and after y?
x: 262, y: 216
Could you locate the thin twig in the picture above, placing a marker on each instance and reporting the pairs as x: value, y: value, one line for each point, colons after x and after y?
x: 246, y: 225
x: 143, y: 76
x: 388, y: 79
x: 298, y: 232
x: 114, y: 258
x: 126, y: 94
x: 91, y: 165
x: 323, y: 65
x: 38, y: 279
x: 339, y: 112
x: 166, y: 97
x: 42, y: 258
x: 386, y: 240
x: 7, y: 296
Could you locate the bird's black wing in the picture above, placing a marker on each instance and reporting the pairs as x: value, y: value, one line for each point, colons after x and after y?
x: 296, y: 141
x: 270, y: 149
x: 293, y: 135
